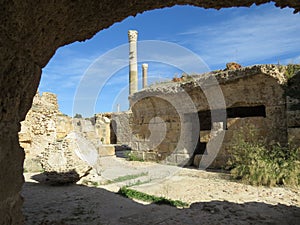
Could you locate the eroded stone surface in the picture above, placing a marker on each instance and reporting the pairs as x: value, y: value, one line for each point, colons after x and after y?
x: 65, y: 148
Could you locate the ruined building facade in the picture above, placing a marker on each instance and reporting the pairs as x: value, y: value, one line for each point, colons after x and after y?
x: 166, y: 127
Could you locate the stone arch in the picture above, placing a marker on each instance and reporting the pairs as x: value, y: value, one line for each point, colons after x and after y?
x: 30, y: 34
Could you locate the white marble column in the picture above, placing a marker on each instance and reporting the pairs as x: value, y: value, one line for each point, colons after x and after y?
x: 133, y: 72
x: 145, y: 74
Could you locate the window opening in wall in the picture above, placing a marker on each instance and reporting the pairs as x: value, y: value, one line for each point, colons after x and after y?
x: 246, y: 111
x: 234, y: 112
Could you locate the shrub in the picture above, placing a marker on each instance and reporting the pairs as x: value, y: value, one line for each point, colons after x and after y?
x: 291, y: 70
x: 259, y: 164
x: 78, y: 116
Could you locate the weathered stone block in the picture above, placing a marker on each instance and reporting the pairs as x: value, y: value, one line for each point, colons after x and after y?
x: 106, y: 150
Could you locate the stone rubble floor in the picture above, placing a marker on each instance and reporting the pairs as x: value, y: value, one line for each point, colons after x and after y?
x: 213, y: 197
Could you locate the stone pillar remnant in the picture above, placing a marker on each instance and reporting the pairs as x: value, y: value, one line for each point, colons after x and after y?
x: 145, y: 74
x: 133, y: 72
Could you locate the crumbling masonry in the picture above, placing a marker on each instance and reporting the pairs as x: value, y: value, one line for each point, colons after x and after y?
x: 257, y: 98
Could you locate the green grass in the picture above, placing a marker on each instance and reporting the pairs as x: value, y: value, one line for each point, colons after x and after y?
x: 127, y: 177
x: 133, y: 194
x: 138, y: 182
x: 131, y: 156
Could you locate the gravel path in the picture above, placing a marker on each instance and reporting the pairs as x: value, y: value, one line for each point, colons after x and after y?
x: 214, y: 199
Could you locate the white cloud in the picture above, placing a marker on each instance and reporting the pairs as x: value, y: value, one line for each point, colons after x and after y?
x: 250, y: 38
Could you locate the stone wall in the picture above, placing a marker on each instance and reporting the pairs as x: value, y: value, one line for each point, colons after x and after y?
x: 121, y: 127
x: 253, y: 96
x: 45, y: 129
x: 38, y: 129
x: 293, y: 109
x: 31, y: 33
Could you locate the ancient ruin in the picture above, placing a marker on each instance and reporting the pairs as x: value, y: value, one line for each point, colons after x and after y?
x: 265, y: 104
x: 31, y: 32
x: 145, y: 75
x: 133, y: 71
x: 54, y: 142
x: 257, y: 98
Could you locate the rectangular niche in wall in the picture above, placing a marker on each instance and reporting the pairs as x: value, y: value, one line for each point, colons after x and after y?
x: 246, y: 111
x: 205, y: 117
x: 205, y: 120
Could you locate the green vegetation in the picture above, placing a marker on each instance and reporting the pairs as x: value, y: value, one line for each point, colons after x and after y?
x: 78, y: 116
x: 291, y: 70
x: 293, y: 85
x: 259, y: 164
x: 129, y: 177
x: 133, y: 194
x: 138, y: 182
x: 132, y: 156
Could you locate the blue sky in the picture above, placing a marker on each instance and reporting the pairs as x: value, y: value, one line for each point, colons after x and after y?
x: 255, y: 35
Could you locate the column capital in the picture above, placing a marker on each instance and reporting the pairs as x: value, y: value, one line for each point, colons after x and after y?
x: 145, y: 66
x: 132, y: 35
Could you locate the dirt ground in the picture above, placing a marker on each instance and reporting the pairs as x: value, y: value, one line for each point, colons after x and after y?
x: 213, y: 198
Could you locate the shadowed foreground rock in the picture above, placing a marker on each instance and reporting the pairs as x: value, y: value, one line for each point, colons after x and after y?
x: 55, y: 178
